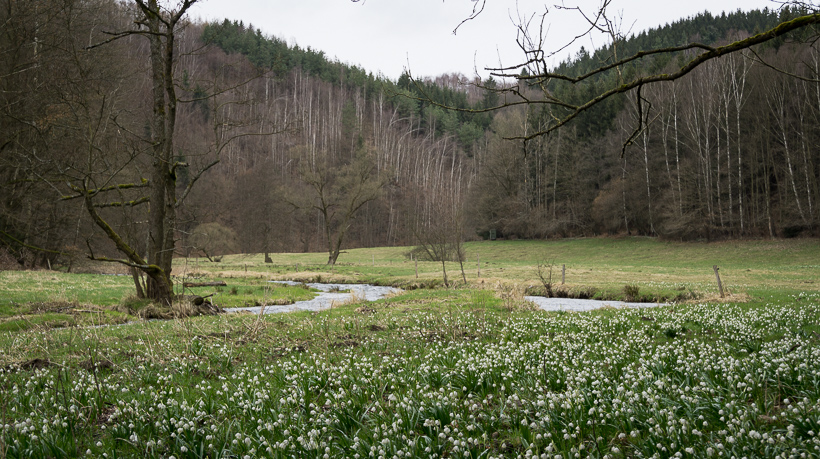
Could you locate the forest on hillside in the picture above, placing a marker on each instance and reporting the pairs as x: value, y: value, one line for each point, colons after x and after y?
x: 279, y: 148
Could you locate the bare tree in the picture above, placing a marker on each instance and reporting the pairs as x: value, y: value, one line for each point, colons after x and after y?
x: 438, y: 223
x: 122, y: 160
x: 159, y: 23
x: 544, y: 272
x: 337, y: 191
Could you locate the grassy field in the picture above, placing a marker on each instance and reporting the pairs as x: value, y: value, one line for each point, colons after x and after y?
x: 751, y: 267
x: 471, y: 371
x: 604, y: 266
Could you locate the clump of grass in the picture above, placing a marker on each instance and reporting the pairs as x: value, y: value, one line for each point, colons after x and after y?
x: 512, y: 298
x: 418, y: 284
x: 131, y: 304
x: 631, y: 292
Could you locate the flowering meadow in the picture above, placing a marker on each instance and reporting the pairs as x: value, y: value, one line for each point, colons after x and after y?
x: 426, y: 374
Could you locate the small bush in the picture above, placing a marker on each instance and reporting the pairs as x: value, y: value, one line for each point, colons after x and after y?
x: 8, y: 262
x: 793, y: 231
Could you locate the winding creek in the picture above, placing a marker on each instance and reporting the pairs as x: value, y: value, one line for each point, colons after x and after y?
x: 329, y: 295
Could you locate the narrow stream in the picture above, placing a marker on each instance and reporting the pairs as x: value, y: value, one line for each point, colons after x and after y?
x: 331, y: 294
x: 576, y: 305
x: 326, y: 298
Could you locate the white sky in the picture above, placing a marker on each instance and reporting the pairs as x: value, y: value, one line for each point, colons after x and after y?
x: 386, y: 36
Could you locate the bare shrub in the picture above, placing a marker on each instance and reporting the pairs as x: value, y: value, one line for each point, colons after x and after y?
x: 7, y: 261
x: 544, y: 271
x: 512, y: 297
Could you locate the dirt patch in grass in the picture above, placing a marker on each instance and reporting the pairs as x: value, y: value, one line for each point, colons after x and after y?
x: 92, y: 365
x: 345, y: 343
x: 52, y: 306
x: 269, y: 302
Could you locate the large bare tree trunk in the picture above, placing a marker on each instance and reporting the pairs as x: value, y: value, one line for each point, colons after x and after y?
x: 162, y: 218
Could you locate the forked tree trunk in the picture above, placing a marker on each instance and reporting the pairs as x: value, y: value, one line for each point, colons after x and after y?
x: 332, y: 257
x: 135, y: 273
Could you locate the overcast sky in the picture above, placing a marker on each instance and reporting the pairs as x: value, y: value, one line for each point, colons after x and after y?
x: 386, y: 36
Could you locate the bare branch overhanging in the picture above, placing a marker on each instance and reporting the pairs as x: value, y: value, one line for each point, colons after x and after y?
x: 600, y: 22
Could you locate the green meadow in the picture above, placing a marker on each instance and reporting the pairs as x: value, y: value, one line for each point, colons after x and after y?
x: 470, y: 370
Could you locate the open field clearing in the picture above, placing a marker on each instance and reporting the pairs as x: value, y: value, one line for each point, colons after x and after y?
x: 595, y: 267
x: 470, y: 371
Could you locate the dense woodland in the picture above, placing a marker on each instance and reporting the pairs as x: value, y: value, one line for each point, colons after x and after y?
x: 280, y: 148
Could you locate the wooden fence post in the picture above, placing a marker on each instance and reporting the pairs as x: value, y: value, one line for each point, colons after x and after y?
x: 478, y: 260
x: 717, y: 276
x: 417, y: 266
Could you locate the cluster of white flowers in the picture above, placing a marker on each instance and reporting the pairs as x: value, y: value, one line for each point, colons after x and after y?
x: 732, y: 381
